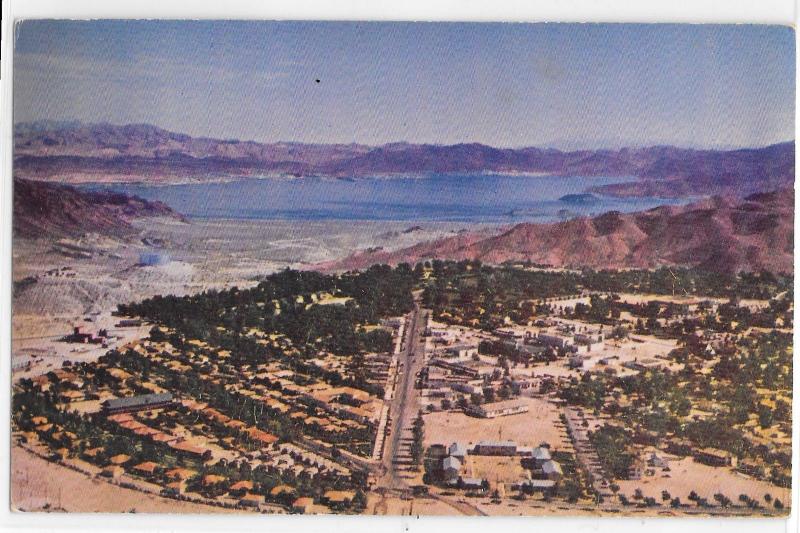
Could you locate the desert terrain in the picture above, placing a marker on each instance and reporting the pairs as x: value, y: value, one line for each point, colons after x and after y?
x: 39, y: 485
x: 80, y: 281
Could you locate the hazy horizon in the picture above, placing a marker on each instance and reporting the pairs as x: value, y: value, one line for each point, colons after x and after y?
x: 567, y: 86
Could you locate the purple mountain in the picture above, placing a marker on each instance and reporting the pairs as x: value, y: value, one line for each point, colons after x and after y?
x: 104, y: 152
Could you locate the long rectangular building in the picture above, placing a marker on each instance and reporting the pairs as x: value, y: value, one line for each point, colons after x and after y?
x: 495, y: 409
x: 137, y: 403
x: 495, y: 447
x: 455, y: 368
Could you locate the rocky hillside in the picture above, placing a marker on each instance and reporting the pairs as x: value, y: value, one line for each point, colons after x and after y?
x: 95, y: 152
x: 51, y: 210
x: 717, y: 234
x: 144, y: 152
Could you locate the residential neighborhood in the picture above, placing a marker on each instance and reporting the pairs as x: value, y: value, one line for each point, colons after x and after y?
x: 579, y: 402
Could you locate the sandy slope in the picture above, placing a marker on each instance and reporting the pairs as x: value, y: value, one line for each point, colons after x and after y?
x: 35, y: 483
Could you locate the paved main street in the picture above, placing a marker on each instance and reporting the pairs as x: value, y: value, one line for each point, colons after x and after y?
x: 397, y: 471
x: 396, y: 461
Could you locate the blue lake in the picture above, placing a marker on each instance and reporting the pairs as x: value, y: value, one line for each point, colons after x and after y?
x: 485, y: 198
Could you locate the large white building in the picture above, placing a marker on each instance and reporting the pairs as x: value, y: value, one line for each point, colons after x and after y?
x: 495, y: 409
x: 461, y: 351
x: 555, y: 340
x: 495, y: 447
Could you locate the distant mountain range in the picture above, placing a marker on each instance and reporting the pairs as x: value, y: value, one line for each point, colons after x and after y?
x: 74, y: 152
x: 54, y: 210
x: 717, y: 234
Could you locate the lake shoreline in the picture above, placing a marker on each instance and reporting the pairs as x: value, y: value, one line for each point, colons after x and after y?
x: 452, y: 198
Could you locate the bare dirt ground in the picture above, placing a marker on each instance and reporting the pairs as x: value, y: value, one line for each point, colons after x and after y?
x: 496, y: 470
x: 539, y: 424
x: 393, y: 505
x: 686, y: 475
x: 38, y: 485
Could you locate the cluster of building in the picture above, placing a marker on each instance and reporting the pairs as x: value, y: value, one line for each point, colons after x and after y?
x: 133, y: 404
x: 81, y: 337
x: 542, y: 471
x: 279, y: 388
x: 139, y: 406
x: 457, y: 370
x: 198, y: 435
x: 556, y: 335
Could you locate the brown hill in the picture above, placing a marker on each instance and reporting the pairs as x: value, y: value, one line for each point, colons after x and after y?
x: 716, y: 234
x: 51, y: 210
x: 142, y: 152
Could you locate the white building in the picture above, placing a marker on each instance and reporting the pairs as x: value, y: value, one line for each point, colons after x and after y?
x: 457, y: 450
x: 461, y: 351
x: 556, y: 341
x: 451, y: 468
x: 552, y: 470
x: 495, y: 409
x: 495, y: 447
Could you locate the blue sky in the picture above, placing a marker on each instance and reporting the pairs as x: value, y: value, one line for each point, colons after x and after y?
x: 566, y: 85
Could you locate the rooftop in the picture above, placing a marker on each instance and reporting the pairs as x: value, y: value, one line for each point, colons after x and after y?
x: 120, y: 459
x: 541, y: 453
x: 451, y: 462
x: 339, y: 495
x: 497, y: 443
x: 138, y: 401
x: 505, y: 404
x: 551, y: 467
x: 457, y: 448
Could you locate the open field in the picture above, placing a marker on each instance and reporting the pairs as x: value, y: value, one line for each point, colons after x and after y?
x: 687, y: 475
x: 37, y: 348
x: 496, y: 470
x: 539, y: 424
x: 393, y: 505
x: 36, y: 483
